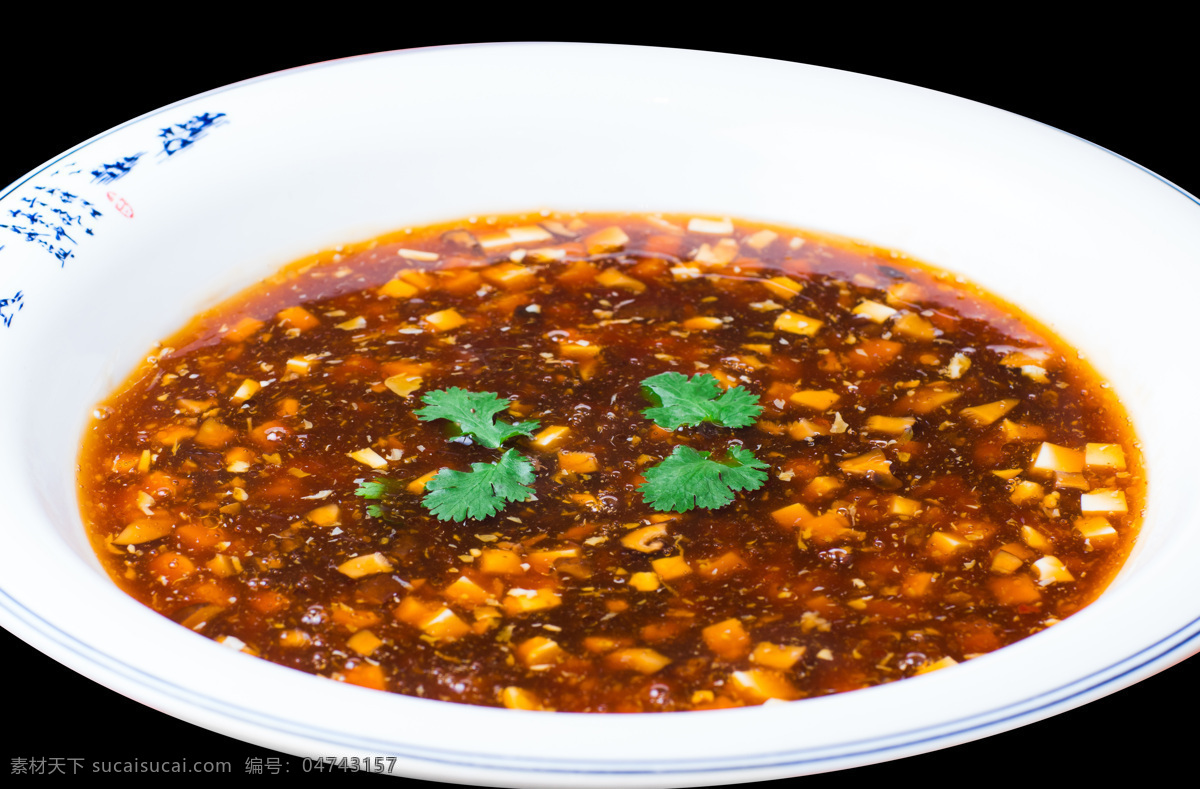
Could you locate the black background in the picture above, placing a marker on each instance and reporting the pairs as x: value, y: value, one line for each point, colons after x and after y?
x: 1129, y: 88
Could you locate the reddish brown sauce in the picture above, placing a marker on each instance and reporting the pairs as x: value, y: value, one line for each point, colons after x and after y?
x: 942, y: 473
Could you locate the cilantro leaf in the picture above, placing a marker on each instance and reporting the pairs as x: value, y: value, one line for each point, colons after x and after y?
x: 687, y: 479
x: 474, y: 413
x: 481, y: 492
x: 680, y: 401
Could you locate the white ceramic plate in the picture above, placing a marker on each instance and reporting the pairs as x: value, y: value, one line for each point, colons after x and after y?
x: 233, y: 184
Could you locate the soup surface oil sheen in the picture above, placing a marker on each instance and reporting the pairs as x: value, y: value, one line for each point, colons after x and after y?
x: 612, y: 463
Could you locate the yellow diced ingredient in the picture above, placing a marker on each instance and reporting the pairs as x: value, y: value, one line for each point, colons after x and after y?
x: 445, y: 625
x: 398, y: 289
x: 792, y: 515
x: 645, y: 539
x: 1027, y: 357
x: 403, y: 385
x: 299, y: 365
x: 703, y: 323
x: 937, y: 665
x: 1052, y: 457
x: 515, y: 698
x: 927, y: 399
x: 194, y: 407
x: 144, y: 460
x: 486, y: 618
x: 671, y: 567
x: 1072, y: 481
x: 144, y: 530
x: 523, y: 601
x: 466, y: 592
x: 761, y: 239
x: 610, y: 239
x: 820, y: 487
x: 224, y: 566
x: 873, y: 311
x: 529, y: 234
x: 297, y: 318
x: 816, y: 399
x: 539, y: 651
x: 943, y: 545
x: 644, y: 582
x: 364, y: 642
x: 511, y: 276
x: 577, y: 462
x: 354, y: 324
x: 1104, y: 456
x: 500, y: 561
x: 367, y: 564
x: 763, y: 350
x: 641, y: 660
x: 170, y: 436
x: 587, y: 501
x: 543, y: 561
x: 1051, y: 570
x: 916, y: 585
x: 1025, y: 492
x: 914, y: 327
x: 796, y: 323
x: 419, y: 278
x: 782, y: 657
x: 872, y: 462
x: 1035, y: 539
x: 981, y: 415
x: 368, y: 457
x: 1008, y: 473
x: 828, y: 528
x: 1096, y: 529
x: 243, y: 329
x: 784, y: 287
x: 548, y: 437
x: 444, y: 320
x: 759, y: 685
x: 417, y: 486
x: 294, y: 638
x: 613, y: 278
x: 723, y: 252
x: 1020, y: 431
x: 1005, y: 563
x: 904, y: 506
x: 328, y: 515
x: 889, y: 425
x: 582, y: 349
x: 806, y: 428
x: 213, y: 433
x: 712, y: 227
x: 417, y: 254
x: 727, y: 639
x: 598, y: 645
x: 1103, y: 500
x: 1014, y: 589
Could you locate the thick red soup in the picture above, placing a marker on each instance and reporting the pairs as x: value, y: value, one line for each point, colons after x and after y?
x: 612, y: 463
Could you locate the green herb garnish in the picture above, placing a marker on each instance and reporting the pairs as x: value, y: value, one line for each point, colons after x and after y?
x: 680, y: 401
x: 379, y: 489
x: 687, y: 479
x: 474, y: 413
x: 481, y: 492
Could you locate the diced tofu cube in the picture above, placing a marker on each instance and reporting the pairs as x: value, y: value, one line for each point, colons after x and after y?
x: 1107, y: 456
x: 796, y: 323
x: 1051, y: 570
x: 1103, y: 500
x: 1052, y: 457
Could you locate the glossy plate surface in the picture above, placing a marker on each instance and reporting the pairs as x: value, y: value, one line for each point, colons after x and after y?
x: 166, y: 214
